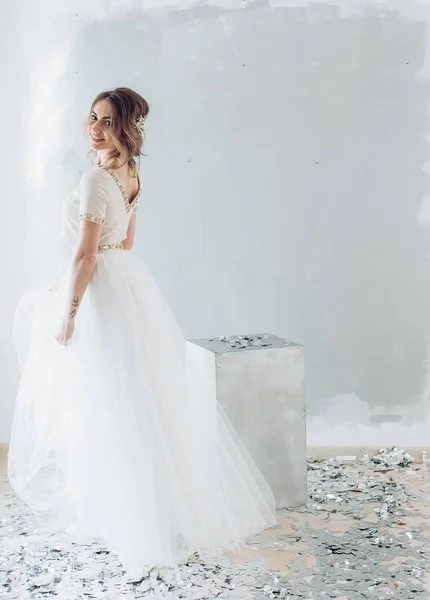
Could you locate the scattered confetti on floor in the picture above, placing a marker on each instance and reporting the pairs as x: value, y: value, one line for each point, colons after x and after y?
x: 364, y: 534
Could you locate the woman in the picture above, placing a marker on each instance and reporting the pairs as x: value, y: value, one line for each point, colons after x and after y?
x: 113, y: 435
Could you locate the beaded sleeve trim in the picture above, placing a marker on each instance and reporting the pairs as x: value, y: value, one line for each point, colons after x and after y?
x: 92, y: 218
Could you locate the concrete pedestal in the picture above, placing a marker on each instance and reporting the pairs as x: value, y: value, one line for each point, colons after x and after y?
x: 259, y: 382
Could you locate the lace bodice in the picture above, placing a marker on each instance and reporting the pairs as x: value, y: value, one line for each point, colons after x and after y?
x: 101, y: 198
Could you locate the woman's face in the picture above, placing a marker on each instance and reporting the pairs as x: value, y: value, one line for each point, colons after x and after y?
x: 100, y: 126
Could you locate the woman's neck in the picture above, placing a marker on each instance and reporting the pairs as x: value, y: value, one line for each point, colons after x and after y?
x: 102, y: 157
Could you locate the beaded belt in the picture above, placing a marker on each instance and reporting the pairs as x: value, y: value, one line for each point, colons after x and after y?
x: 107, y: 247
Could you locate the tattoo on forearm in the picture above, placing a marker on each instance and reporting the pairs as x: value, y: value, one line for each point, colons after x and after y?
x: 75, y: 306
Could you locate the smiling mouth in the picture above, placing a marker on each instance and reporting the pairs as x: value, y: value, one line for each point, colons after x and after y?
x: 96, y: 139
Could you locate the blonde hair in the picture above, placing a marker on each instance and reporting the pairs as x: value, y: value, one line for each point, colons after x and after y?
x: 127, y: 106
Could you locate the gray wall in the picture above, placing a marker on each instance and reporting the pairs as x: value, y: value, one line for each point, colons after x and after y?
x: 284, y: 188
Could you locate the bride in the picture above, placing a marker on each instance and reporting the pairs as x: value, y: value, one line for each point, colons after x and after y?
x: 111, y: 437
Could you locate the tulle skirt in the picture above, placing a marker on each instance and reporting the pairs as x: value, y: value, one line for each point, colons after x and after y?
x: 113, y: 437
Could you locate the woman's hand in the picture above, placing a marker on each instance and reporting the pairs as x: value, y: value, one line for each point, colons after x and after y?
x: 65, y: 334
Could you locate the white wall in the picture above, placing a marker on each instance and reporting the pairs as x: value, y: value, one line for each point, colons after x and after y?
x: 282, y: 190
x: 13, y: 203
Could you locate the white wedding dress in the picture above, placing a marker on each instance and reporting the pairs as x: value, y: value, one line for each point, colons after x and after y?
x: 111, y: 437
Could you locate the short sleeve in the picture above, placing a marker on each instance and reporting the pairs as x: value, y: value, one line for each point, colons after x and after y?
x: 93, y: 196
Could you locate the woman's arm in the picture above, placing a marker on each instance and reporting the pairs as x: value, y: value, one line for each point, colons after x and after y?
x: 128, y: 243
x: 83, y: 264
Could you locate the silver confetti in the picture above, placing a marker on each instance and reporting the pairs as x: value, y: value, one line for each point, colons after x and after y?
x: 378, y: 553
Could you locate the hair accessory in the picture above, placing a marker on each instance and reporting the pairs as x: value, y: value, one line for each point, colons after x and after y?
x: 140, y: 123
